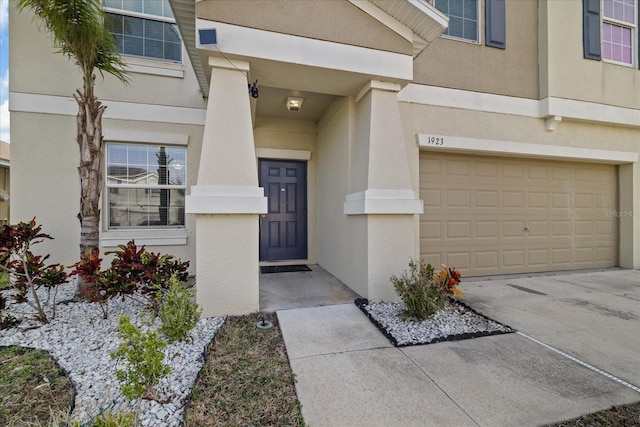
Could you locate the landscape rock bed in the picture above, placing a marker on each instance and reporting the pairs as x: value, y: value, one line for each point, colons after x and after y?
x: 456, y: 322
x: 80, y: 341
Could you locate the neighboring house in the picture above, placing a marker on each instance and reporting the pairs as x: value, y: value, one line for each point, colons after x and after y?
x: 5, y: 181
x: 492, y: 136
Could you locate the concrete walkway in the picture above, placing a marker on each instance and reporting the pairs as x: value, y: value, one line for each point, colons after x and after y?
x: 348, y: 374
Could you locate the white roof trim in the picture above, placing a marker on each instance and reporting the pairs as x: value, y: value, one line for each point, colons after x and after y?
x: 420, y: 17
x: 184, y: 12
x: 384, y: 18
x: 403, y: 17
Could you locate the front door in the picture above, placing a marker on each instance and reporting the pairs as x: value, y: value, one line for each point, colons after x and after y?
x: 283, y: 230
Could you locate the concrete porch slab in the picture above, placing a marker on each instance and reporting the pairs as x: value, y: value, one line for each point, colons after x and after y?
x: 283, y: 291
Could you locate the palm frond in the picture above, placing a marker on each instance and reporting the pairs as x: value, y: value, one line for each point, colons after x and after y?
x: 79, y: 31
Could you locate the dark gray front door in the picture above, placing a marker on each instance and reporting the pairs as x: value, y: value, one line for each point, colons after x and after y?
x: 283, y: 230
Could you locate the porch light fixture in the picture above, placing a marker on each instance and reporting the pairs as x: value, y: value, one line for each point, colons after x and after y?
x: 294, y: 104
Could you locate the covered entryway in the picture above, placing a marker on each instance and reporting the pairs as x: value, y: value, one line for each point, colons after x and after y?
x: 492, y: 215
x: 345, y: 122
x: 283, y: 229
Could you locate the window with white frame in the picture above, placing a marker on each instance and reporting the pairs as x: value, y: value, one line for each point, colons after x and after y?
x: 619, y: 23
x: 144, y: 28
x: 610, y: 31
x: 146, y: 186
x: 463, y: 18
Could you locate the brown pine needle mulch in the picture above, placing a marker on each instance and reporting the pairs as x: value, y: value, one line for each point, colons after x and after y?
x: 247, y: 379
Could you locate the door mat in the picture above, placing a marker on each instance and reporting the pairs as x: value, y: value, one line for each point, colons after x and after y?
x: 283, y: 268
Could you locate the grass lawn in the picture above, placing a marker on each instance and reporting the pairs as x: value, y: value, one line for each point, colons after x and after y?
x: 32, y: 387
x: 618, y: 416
x: 4, y: 280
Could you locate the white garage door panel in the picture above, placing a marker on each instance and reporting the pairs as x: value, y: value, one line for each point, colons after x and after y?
x: 488, y: 215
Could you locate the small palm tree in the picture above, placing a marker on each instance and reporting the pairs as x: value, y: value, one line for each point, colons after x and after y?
x: 79, y: 32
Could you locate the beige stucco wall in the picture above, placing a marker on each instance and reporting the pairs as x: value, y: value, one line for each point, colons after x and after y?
x: 336, y: 21
x: 5, y: 150
x: 475, y: 67
x: 52, y: 194
x: 225, y: 285
x: 364, y: 249
x: 506, y: 127
x: 342, y: 240
x: 278, y: 134
x: 566, y: 74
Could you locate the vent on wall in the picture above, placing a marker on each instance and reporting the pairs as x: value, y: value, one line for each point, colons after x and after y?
x: 208, y: 37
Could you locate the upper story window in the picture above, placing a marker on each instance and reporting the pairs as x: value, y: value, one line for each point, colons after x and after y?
x: 463, y: 18
x: 618, y: 30
x: 146, y: 186
x: 610, y: 30
x: 145, y: 28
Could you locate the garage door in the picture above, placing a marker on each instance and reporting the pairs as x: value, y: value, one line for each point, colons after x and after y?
x: 486, y: 215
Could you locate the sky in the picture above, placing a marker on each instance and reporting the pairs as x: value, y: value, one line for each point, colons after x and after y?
x: 4, y: 71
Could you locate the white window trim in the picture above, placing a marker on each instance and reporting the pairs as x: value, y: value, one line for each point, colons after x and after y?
x: 111, y: 239
x: 141, y: 64
x: 479, y: 29
x: 140, y: 15
x: 107, y: 186
x: 156, y: 67
x: 634, y: 35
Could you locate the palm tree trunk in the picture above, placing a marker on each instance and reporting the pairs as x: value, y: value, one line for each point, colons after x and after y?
x: 89, y: 138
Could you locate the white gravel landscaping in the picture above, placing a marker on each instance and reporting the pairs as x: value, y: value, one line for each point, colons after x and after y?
x: 80, y: 340
x: 452, y: 323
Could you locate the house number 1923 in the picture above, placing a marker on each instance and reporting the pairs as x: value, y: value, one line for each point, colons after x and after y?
x: 435, y: 140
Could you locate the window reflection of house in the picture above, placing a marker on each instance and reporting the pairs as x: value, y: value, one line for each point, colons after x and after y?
x: 5, y: 156
x: 146, y: 186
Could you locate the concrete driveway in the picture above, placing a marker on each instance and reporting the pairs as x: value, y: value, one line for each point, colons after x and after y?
x: 592, y: 316
x: 570, y: 326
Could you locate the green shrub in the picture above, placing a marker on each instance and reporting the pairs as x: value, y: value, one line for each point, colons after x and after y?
x: 106, y: 418
x: 423, y: 291
x: 133, y: 270
x: 178, y: 312
x: 27, y: 272
x: 143, y: 359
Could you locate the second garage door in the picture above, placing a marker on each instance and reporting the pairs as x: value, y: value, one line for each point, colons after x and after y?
x: 486, y: 215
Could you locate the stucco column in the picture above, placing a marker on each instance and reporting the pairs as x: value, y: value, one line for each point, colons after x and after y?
x: 381, y: 190
x: 227, y: 199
